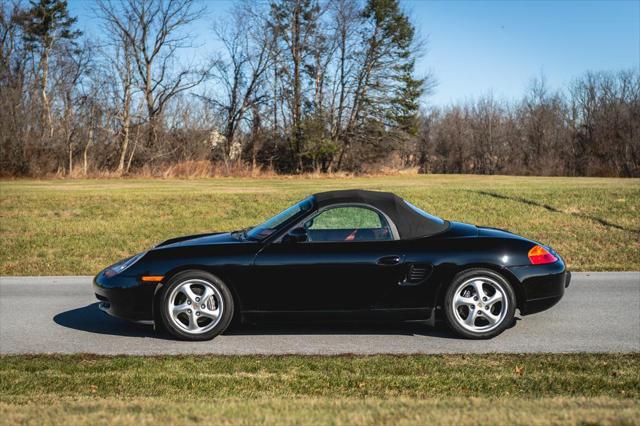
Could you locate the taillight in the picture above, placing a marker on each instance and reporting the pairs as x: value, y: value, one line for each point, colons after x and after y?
x: 539, y: 255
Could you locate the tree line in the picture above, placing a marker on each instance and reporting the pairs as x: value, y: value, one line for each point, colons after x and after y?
x: 294, y: 86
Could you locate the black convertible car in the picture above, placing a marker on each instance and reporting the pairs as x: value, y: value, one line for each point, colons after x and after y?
x: 340, y: 254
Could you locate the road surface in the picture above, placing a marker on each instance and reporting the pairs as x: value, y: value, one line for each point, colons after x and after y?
x: 599, y: 313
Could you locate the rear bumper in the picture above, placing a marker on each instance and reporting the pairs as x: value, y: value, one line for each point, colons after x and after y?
x: 120, y: 299
x: 542, y: 286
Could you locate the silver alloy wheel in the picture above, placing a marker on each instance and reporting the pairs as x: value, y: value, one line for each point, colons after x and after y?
x: 480, y: 304
x: 195, y: 306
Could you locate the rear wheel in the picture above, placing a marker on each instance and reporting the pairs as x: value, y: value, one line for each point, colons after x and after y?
x: 196, y: 305
x: 479, y: 304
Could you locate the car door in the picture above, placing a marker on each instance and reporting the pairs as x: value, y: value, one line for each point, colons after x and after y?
x: 351, y: 258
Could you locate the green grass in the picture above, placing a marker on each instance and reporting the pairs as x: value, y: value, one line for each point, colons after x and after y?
x: 347, y: 218
x: 51, y: 227
x: 449, y: 389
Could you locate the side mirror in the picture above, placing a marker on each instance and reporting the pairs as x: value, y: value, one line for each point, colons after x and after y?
x: 296, y: 235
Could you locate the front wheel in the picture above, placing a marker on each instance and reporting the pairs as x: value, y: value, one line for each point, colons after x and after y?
x: 479, y: 304
x: 196, y: 305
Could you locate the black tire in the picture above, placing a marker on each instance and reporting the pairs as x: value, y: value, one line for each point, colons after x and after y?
x: 489, y: 280
x: 220, y: 291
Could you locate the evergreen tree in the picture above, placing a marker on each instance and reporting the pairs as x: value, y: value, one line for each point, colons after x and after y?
x: 45, y: 24
x: 392, y: 93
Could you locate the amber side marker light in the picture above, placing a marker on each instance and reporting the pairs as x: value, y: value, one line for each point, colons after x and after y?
x: 538, y: 255
x: 152, y: 278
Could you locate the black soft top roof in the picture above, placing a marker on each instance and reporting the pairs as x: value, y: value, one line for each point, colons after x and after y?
x: 410, y: 223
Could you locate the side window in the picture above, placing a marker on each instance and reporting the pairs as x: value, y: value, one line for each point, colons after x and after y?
x: 349, y: 223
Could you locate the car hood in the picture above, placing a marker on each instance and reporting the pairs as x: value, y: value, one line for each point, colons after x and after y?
x: 202, y: 239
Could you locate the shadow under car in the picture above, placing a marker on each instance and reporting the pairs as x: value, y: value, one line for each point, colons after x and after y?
x: 92, y: 319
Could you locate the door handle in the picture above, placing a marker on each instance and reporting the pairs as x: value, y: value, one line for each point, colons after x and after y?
x: 389, y: 260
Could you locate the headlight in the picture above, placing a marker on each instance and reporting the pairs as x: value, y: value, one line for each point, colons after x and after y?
x: 125, y: 264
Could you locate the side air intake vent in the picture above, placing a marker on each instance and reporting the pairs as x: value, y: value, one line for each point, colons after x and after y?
x: 416, y: 274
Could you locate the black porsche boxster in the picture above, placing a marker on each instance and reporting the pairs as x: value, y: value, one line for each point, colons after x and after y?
x: 338, y: 255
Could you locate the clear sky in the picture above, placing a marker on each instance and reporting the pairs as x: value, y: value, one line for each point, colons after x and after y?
x: 479, y: 47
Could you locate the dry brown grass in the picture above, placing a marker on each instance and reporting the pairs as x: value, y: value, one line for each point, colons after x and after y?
x: 190, y: 169
x: 194, y: 169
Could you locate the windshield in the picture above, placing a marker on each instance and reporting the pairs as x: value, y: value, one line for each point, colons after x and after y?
x: 281, y: 219
x: 421, y: 212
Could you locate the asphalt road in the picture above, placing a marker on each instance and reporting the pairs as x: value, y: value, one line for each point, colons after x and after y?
x: 599, y: 313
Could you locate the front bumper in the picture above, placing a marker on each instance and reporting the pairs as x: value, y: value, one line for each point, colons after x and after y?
x: 124, y: 297
x: 542, y: 286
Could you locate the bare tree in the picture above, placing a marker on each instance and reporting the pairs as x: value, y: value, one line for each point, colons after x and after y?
x: 383, y: 88
x: 297, y: 85
x: 606, y: 116
x: 543, y: 123
x: 125, y: 83
x: 71, y: 69
x: 346, y: 19
x: 119, y: 58
x: 294, y: 23
x: 240, y: 71
x: 14, y: 79
x: 155, y: 31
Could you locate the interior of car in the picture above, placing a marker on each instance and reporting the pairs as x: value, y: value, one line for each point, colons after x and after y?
x: 348, y: 223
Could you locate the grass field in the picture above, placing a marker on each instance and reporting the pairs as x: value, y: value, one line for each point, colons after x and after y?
x: 51, y: 227
x: 448, y: 389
